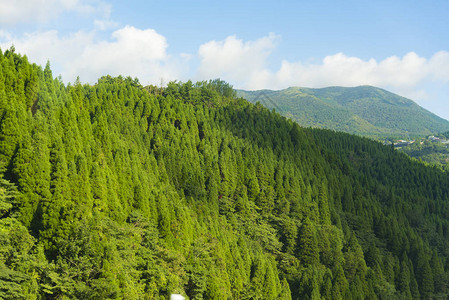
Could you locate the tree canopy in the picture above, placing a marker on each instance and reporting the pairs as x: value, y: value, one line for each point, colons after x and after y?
x: 116, y: 190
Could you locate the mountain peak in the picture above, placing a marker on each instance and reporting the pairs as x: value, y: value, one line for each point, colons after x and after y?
x: 363, y: 110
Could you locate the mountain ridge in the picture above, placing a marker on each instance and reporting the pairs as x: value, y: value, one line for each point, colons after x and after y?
x: 364, y: 110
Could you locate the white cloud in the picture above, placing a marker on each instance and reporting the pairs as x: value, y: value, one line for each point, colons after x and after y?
x: 439, y: 66
x: 234, y: 59
x: 134, y: 52
x: 403, y: 75
x: 343, y: 70
x: 243, y: 63
x: 27, y: 11
x: 130, y: 52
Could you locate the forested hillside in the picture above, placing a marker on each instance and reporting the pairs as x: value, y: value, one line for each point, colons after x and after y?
x: 430, y: 152
x: 363, y: 110
x: 116, y: 190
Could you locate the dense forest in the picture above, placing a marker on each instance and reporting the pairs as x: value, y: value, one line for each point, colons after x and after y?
x: 120, y: 191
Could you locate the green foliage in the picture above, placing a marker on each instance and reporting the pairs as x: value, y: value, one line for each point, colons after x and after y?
x: 432, y: 153
x: 115, y: 190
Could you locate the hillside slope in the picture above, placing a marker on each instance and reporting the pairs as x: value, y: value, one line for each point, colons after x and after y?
x: 118, y: 191
x: 363, y: 110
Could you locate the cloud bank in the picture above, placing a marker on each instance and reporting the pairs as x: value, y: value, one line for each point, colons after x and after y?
x: 143, y: 53
x: 244, y: 64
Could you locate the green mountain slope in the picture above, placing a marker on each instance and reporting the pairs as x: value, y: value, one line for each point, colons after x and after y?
x: 119, y: 191
x: 362, y: 110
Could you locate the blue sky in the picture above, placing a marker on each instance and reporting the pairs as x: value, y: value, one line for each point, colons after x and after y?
x: 402, y: 46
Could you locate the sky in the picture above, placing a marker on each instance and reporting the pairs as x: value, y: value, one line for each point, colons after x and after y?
x: 401, y: 46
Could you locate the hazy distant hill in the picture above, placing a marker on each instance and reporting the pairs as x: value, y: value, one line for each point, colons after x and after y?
x: 363, y: 110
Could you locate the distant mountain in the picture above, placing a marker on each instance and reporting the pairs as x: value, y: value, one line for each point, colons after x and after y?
x: 362, y: 110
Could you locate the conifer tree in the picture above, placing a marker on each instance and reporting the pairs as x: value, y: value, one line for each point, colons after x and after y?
x: 308, y: 247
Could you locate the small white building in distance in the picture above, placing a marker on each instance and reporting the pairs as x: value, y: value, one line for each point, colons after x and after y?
x: 176, y: 297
